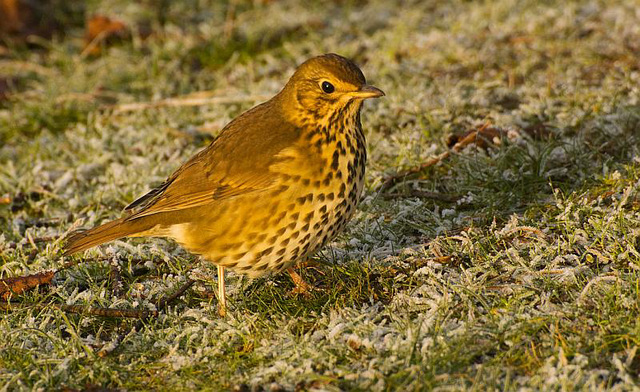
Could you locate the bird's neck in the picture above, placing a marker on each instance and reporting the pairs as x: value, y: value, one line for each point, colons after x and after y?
x: 331, y: 129
x: 338, y: 128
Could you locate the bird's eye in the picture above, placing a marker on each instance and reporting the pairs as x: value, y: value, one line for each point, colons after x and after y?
x: 327, y: 87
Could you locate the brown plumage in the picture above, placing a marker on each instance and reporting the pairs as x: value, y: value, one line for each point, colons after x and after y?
x: 279, y: 182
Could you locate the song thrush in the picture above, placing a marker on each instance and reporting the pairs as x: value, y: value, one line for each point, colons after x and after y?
x: 278, y: 183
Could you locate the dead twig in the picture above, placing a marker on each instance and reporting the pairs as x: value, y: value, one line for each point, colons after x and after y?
x: 161, y: 304
x: 84, y: 310
x: 471, y: 137
x: 164, y: 302
x: 186, y: 101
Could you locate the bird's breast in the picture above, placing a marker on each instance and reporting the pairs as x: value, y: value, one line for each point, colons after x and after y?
x: 316, y: 191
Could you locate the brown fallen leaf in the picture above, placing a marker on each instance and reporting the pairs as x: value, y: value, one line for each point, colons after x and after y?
x: 20, y: 284
x: 12, y: 16
x: 102, y: 29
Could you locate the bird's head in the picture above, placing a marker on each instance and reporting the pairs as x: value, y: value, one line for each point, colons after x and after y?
x: 324, y: 87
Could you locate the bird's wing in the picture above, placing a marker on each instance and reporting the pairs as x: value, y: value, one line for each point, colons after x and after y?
x: 196, y: 184
x: 236, y: 163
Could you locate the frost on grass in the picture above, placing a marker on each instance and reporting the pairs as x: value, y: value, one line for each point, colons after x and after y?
x: 523, y: 277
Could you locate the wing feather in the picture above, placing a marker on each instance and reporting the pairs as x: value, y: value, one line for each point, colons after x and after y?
x: 238, y: 162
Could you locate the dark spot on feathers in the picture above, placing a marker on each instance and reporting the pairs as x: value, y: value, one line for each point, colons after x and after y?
x: 308, y: 217
x: 335, y: 160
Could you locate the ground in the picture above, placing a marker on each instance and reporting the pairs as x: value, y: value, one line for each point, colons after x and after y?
x: 509, y: 265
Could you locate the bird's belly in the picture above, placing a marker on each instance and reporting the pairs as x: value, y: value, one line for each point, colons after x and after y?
x: 268, y: 232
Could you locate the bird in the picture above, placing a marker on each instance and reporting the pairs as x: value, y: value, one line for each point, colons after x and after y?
x: 278, y: 183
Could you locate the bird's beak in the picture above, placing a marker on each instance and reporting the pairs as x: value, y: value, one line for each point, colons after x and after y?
x: 367, y: 91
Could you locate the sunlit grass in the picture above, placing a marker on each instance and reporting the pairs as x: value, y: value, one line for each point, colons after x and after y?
x: 524, y: 274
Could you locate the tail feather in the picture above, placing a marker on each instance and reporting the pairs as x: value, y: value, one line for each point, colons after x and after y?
x: 85, y: 239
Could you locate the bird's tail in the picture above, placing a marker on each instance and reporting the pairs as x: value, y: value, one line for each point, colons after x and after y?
x: 80, y: 240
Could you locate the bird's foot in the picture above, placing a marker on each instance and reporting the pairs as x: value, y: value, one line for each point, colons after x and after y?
x: 302, y: 287
x: 222, y: 310
x: 311, y: 264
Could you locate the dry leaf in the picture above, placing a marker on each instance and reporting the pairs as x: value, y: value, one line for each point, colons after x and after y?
x: 100, y: 29
x: 21, y: 284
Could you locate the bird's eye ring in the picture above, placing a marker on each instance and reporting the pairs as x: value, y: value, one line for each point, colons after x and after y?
x: 327, y: 87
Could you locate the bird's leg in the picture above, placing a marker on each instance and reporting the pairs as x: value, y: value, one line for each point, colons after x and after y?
x: 311, y: 264
x: 222, y: 300
x: 302, y: 287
